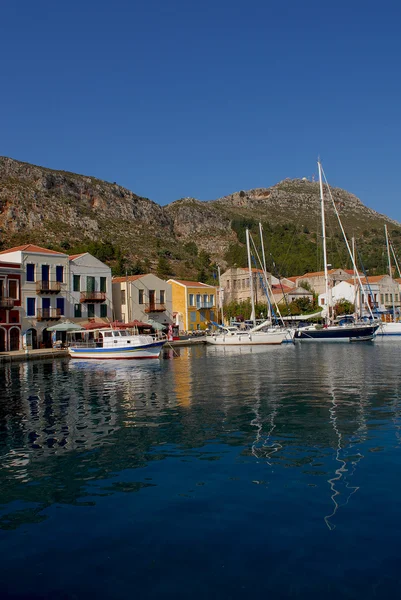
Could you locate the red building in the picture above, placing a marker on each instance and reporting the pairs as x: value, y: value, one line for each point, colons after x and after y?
x: 10, y: 307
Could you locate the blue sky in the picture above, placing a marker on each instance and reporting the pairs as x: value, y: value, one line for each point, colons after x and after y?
x: 174, y: 98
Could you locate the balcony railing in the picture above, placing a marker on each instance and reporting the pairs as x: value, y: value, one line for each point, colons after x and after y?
x: 93, y: 296
x: 153, y: 307
x: 200, y: 305
x: 6, y: 303
x: 48, y: 287
x: 48, y: 314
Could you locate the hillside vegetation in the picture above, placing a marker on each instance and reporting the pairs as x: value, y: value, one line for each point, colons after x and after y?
x: 188, y: 237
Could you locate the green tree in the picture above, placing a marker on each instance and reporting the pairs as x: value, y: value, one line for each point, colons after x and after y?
x: 344, y: 307
x: 163, y: 268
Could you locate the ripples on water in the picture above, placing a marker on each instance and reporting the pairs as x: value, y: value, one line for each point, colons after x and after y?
x: 213, y: 472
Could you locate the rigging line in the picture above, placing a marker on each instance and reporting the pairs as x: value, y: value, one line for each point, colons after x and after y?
x: 345, y: 237
x: 395, y: 258
x: 268, y: 288
x: 375, y: 304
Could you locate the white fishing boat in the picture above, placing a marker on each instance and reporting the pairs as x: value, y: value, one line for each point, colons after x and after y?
x: 345, y: 330
x: 113, y: 344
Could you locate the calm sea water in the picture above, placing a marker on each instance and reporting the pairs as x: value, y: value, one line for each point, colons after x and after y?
x: 211, y: 473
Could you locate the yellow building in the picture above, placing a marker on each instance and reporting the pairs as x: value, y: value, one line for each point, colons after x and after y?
x: 194, y: 304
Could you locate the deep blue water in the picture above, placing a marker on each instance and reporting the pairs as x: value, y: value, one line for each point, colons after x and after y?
x: 211, y: 474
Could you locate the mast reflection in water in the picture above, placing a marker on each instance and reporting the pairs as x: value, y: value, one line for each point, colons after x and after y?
x: 214, y: 472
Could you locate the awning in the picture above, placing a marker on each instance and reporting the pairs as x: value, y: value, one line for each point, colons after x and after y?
x: 156, y: 325
x: 66, y: 326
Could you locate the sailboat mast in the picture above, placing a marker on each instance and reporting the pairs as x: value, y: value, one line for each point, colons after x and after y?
x: 389, y: 265
x: 269, y: 310
x: 326, y: 274
x: 356, y: 292
x: 248, y: 247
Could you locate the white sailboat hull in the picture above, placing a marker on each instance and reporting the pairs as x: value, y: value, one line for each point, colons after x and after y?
x: 389, y: 331
x: 247, y: 338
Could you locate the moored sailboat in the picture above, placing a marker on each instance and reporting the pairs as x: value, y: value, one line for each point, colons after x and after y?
x: 262, y: 334
x: 344, y: 330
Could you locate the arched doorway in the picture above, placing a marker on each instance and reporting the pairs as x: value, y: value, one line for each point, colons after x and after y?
x: 14, y: 338
x: 2, y: 340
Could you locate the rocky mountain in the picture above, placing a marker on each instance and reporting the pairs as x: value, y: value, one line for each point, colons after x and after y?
x: 64, y: 211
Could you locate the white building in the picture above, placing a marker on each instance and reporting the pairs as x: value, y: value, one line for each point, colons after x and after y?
x: 342, y: 291
x: 143, y: 298
x: 90, y: 290
x: 44, y: 287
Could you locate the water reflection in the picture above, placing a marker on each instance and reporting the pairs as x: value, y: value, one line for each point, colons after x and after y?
x: 302, y: 417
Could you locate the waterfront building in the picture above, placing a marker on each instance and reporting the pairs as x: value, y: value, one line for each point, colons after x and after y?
x: 10, y: 307
x: 194, y: 304
x: 235, y: 283
x: 382, y: 290
x: 90, y: 290
x: 44, y: 285
x: 285, y: 293
x: 316, y: 279
x: 145, y: 298
x: 378, y: 291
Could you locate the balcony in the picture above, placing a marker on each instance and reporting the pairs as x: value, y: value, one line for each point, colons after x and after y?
x: 151, y: 307
x: 93, y: 296
x: 48, y: 314
x: 48, y: 287
x: 202, y: 305
x: 6, y: 303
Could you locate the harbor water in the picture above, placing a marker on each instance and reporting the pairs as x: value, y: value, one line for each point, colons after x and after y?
x: 210, y: 473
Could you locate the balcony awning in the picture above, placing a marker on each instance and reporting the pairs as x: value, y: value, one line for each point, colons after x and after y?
x: 65, y: 326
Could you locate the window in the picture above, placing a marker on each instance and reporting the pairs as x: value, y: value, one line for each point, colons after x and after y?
x: 391, y: 297
x: 78, y: 311
x: 192, y: 316
x: 59, y: 273
x: 191, y: 300
x: 235, y: 284
x: 202, y: 316
x: 363, y: 298
x: 382, y: 298
x: 205, y: 300
x: 30, y: 307
x: 322, y: 300
x: 386, y: 297
x: 198, y: 300
x: 123, y: 297
x: 162, y: 296
x: 76, y: 283
x: 90, y: 284
x: 103, y: 284
x: 395, y: 297
x: 12, y: 289
x: 103, y: 310
x: 60, y: 305
x: 228, y: 284
x: 30, y: 272
x: 212, y: 317
x: 91, y: 311
x: 211, y: 299
x: 140, y: 296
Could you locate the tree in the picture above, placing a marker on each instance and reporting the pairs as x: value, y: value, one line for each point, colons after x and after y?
x: 344, y: 307
x: 163, y: 268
